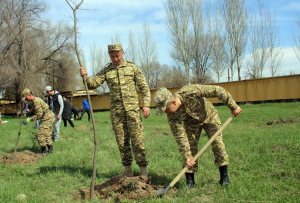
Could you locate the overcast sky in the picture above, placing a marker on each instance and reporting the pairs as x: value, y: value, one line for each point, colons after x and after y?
x: 106, y: 18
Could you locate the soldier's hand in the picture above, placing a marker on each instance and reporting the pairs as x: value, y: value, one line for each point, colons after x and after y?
x: 188, y: 162
x: 58, y: 117
x: 237, y: 111
x: 83, y: 72
x: 146, y: 111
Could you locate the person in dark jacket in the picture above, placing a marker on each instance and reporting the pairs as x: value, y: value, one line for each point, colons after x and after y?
x: 67, y: 114
x: 86, y: 108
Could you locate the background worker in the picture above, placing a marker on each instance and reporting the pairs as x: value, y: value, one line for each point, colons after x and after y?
x: 74, y: 111
x: 67, y: 114
x: 86, y: 108
x: 122, y: 77
x: 190, y: 105
x: 0, y: 121
x: 41, y: 111
x: 56, y: 105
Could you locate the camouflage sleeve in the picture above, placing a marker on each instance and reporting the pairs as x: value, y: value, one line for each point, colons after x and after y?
x: 180, y: 136
x: 212, y: 91
x: 143, y: 86
x: 38, y: 111
x: 96, y: 81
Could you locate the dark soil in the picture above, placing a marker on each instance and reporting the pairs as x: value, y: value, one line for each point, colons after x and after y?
x: 25, y: 157
x: 120, y: 188
x: 281, y: 121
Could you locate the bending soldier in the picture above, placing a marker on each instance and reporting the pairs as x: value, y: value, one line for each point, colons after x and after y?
x: 190, y: 106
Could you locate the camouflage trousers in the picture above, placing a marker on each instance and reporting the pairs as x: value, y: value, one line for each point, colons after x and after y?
x: 193, y: 130
x: 44, y: 135
x: 128, y: 127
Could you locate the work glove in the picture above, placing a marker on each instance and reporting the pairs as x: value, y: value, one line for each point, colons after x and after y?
x: 26, y: 121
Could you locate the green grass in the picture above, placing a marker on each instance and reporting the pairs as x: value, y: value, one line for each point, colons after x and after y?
x: 264, y: 159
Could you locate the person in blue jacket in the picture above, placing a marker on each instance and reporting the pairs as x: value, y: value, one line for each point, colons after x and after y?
x: 86, y: 108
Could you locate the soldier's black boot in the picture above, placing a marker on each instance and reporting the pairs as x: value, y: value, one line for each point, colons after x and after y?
x: 50, y: 148
x: 190, y: 181
x: 224, y: 178
x: 44, y: 150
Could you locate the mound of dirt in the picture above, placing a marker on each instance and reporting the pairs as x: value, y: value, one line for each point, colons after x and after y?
x: 25, y: 157
x: 281, y: 121
x: 131, y: 188
x: 83, y: 127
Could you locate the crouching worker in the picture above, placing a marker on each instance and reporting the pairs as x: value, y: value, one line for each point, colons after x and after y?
x: 190, y: 105
x: 40, y: 111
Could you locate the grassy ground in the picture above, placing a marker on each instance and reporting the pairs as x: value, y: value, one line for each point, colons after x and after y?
x: 264, y: 159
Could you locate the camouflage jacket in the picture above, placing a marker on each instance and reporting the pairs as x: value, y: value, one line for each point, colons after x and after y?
x: 121, y: 81
x: 196, y: 106
x: 40, y: 109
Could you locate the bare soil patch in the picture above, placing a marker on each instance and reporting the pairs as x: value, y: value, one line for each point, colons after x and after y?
x: 24, y: 157
x: 100, y: 122
x: 281, y: 121
x: 120, y: 188
x: 83, y: 127
x: 164, y: 133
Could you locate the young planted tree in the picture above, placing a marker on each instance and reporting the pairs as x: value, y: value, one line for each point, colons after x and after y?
x: 75, y: 8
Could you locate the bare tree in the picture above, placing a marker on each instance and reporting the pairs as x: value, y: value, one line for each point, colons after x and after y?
x: 177, y: 24
x: 99, y: 58
x: 116, y: 39
x: 131, y: 52
x: 219, y: 54
x: 171, y: 77
x: 234, y: 15
x: 263, y: 36
x: 148, y: 55
x: 276, y: 53
x: 296, y: 36
x: 19, y: 23
x: 201, y: 41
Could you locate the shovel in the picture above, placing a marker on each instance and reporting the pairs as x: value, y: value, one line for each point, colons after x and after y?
x: 164, y: 191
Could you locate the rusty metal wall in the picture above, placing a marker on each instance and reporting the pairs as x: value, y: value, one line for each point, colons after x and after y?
x: 265, y: 89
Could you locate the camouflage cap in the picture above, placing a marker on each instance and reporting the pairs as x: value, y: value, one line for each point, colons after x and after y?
x: 25, y: 93
x: 115, y: 47
x: 161, y: 97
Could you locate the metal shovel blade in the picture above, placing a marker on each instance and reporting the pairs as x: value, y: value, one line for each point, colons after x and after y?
x: 163, y: 191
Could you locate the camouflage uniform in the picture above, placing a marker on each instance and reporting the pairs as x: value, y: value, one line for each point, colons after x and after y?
x: 197, y: 113
x: 41, y: 111
x: 125, y: 108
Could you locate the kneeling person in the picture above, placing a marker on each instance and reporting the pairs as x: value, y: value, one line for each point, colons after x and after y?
x: 190, y: 106
x: 41, y: 111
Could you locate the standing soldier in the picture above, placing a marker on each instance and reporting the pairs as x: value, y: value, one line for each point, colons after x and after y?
x: 122, y: 77
x: 41, y: 111
x: 190, y: 106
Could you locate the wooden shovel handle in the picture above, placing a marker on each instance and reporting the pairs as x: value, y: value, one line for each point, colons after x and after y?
x: 202, y: 150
